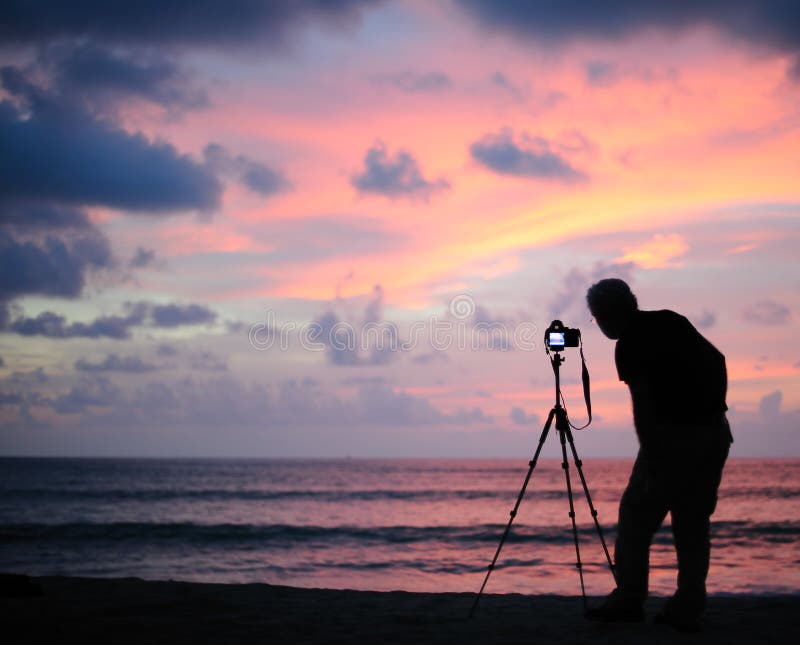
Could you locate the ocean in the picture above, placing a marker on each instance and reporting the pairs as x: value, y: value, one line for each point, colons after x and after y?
x: 394, y: 524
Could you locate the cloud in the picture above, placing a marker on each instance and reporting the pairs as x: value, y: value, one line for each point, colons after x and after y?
x: 370, y: 341
x: 501, y: 80
x: 143, y: 258
x: 794, y: 70
x: 533, y: 157
x: 52, y: 325
x: 53, y: 267
x: 429, y: 357
x: 657, y: 253
x: 194, y: 404
x: 769, y: 407
x: 394, y: 177
x: 115, y: 363
x: 773, y: 23
x: 205, y: 24
x: 767, y: 312
x: 520, y: 417
x: 706, y: 320
x: 165, y: 349
x: 90, y: 162
x: 253, y: 174
x: 209, y: 362
x: 99, y: 78
x: 89, y: 393
x: 413, y: 82
x: 42, y: 217
x: 601, y: 73
x: 577, y: 281
x: 175, y: 315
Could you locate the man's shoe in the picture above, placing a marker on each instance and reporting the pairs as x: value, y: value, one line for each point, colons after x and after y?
x: 616, y: 609
x: 682, y: 612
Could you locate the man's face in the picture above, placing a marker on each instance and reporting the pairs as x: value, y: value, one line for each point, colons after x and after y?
x: 611, y: 323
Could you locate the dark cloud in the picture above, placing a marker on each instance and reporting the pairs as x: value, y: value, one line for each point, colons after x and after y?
x: 47, y: 250
x: 176, y: 315
x: 139, y: 314
x: 767, y: 312
x: 601, y: 73
x: 253, y: 174
x: 53, y: 325
x: 90, y: 161
x: 399, y: 176
x: 200, y: 23
x: 99, y: 78
x: 143, y: 258
x: 775, y: 23
x: 533, y: 157
x: 27, y: 217
x: 413, y: 82
x: 52, y: 267
x: 115, y: 363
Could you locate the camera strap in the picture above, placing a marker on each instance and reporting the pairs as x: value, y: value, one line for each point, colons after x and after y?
x: 587, y: 394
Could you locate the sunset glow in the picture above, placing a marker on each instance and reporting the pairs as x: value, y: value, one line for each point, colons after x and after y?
x: 373, y: 162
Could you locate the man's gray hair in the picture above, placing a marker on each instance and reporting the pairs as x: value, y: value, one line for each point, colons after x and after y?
x: 611, y: 294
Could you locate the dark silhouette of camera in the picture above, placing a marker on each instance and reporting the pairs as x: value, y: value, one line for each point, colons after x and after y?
x: 557, y: 336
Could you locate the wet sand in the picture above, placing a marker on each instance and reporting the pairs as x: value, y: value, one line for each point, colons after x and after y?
x: 131, y: 610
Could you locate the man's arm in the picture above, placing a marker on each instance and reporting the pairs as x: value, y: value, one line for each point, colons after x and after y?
x: 645, y: 416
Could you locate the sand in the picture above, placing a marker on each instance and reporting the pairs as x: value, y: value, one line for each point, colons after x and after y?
x: 131, y: 610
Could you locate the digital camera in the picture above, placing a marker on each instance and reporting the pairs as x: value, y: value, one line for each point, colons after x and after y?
x: 557, y: 336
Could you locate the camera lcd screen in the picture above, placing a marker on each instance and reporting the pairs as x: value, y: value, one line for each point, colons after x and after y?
x: 556, y: 339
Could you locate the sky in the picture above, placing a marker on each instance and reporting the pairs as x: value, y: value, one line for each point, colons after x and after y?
x: 340, y: 228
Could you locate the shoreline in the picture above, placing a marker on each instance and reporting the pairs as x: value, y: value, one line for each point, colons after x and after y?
x: 132, y: 610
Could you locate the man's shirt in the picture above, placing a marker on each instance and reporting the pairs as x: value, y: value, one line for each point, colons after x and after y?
x: 674, y: 374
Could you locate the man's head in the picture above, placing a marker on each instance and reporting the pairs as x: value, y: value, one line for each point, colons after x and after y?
x: 613, y: 306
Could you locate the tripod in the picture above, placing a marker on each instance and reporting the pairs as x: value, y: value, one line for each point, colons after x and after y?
x: 559, y: 413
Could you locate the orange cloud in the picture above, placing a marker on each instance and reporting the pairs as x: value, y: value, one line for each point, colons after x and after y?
x: 658, y: 253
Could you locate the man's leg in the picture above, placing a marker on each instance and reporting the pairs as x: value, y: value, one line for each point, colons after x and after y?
x: 696, y: 479
x: 641, y: 512
x: 691, y: 512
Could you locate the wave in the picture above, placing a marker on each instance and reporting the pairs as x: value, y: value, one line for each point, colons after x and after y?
x: 325, y: 495
x: 289, y: 536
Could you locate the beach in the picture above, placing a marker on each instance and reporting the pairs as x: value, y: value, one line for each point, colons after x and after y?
x: 132, y: 610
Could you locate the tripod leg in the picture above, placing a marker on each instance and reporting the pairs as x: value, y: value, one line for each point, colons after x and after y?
x: 579, y: 467
x: 565, y: 466
x: 513, y: 513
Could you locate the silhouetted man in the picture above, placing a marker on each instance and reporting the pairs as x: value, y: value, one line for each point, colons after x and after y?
x: 678, y: 382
